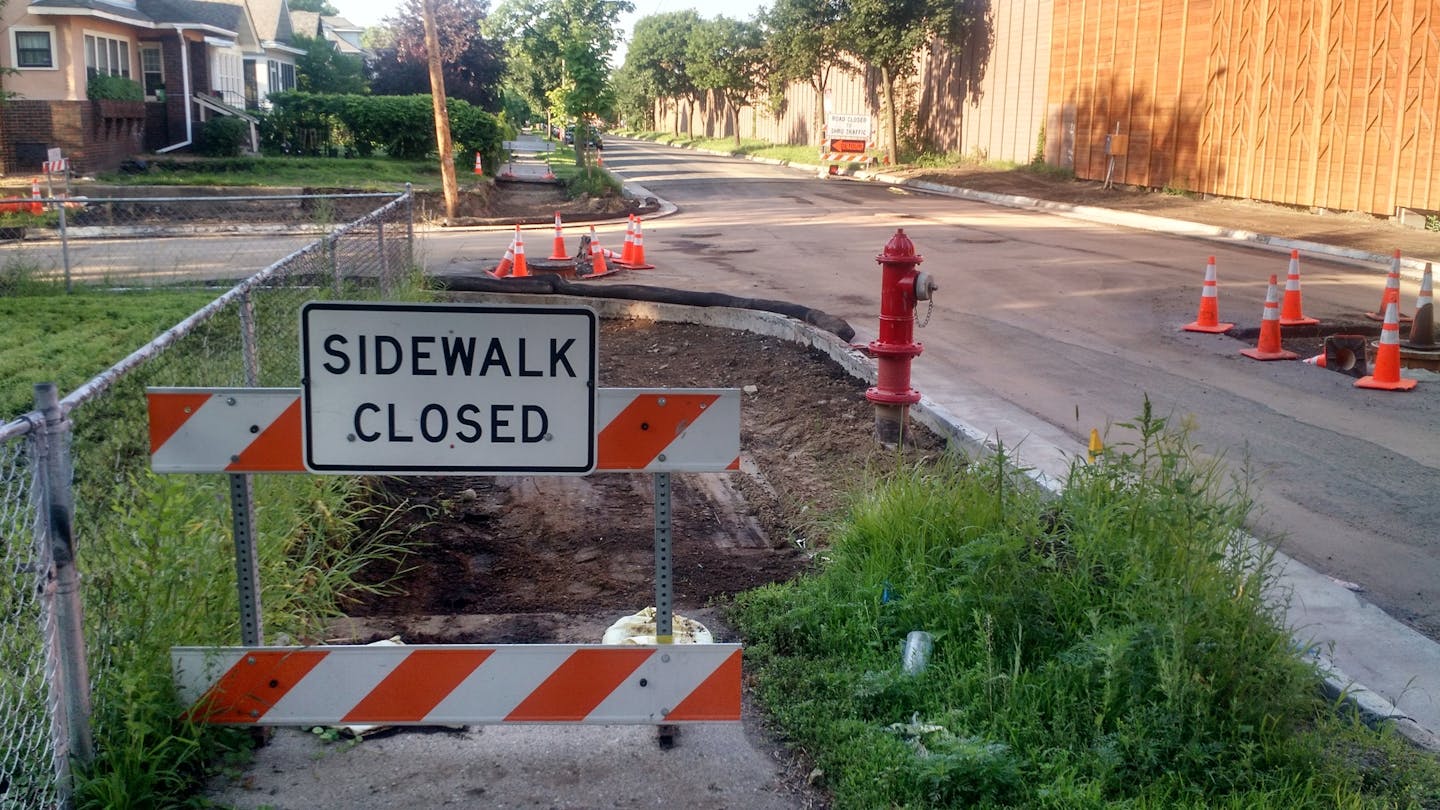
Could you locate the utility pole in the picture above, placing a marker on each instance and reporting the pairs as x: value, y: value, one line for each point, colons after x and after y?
x: 442, y: 114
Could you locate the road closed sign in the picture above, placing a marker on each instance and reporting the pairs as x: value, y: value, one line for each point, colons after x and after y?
x: 845, y: 126
x: 448, y: 388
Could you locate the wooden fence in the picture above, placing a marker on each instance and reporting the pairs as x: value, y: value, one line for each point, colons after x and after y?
x: 1318, y: 103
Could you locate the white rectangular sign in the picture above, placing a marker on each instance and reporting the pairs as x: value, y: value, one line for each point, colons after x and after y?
x: 843, y: 126
x: 448, y: 388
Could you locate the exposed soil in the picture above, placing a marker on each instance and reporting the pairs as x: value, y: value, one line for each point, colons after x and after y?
x: 525, y: 203
x: 547, y: 551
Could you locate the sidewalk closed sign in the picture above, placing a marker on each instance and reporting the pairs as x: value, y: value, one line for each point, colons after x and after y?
x: 448, y: 388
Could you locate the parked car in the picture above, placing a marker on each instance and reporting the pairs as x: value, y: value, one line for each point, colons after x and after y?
x: 595, y: 141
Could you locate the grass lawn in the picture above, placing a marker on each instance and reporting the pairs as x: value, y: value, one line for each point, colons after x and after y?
x: 67, y: 339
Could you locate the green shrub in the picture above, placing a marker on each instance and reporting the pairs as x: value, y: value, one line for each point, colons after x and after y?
x: 114, y: 88
x: 402, y: 127
x: 222, y: 137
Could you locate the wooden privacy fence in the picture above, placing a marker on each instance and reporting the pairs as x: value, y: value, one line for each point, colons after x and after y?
x: 1317, y: 103
x: 1322, y: 103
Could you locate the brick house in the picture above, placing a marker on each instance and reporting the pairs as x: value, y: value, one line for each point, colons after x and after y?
x: 195, y: 59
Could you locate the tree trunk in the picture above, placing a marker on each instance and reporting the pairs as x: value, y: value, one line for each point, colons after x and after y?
x: 818, y: 133
x: 735, y: 116
x: 888, y: 85
x: 442, y: 115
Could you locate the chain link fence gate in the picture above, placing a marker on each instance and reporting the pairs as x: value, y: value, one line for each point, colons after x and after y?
x: 246, y: 337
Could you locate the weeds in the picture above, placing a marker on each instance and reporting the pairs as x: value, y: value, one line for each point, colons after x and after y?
x: 1110, y: 644
x: 155, y: 551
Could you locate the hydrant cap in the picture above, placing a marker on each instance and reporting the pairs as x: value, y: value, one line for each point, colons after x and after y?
x: 899, y: 250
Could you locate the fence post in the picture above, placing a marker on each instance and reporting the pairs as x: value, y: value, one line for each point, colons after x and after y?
x: 332, y: 245
x: 64, y: 245
x: 242, y: 502
x: 70, y: 678
x: 409, y: 227
x: 384, y: 260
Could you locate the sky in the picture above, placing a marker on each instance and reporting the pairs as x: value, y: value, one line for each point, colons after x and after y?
x: 370, y: 12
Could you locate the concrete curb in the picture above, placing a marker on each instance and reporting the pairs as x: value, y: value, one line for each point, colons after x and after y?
x: 1293, y: 576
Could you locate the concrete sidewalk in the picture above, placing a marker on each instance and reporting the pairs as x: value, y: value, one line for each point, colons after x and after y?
x: 1387, y: 669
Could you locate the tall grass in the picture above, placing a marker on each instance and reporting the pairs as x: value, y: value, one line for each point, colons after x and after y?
x: 155, y: 551
x: 1111, y: 645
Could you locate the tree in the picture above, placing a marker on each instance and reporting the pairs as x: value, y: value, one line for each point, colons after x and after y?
x: 658, y: 55
x: 316, y: 6
x: 887, y: 34
x: 323, y: 69
x: 634, y: 104
x: 803, y: 44
x: 726, y: 56
x: 559, y: 55
x: 472, y: 64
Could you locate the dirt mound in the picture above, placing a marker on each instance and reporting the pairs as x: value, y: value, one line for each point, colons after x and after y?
x: 540, y: 546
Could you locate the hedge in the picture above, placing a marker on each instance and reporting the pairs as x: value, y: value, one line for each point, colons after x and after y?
x: 400, y: 126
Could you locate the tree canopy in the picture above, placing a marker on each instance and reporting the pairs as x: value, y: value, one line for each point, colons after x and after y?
x: 802, y: 38
x: 727, y: 57
x: 559, y: 54
x: 659, y: 54
x: 472, y: 63
x: 317, y: 6
x: 323, y: 69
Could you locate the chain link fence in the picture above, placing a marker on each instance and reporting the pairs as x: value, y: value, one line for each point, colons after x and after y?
x: 143, y: 543
x: 29, y: 757
x: 155, y: 239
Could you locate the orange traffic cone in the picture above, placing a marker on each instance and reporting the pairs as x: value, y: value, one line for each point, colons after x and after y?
x: 1291, y: 311
x: 1208, y: 318
x: 36, y: 207
x: 1386, y: 376
x: 637, y: 259
x: 627, y: 251
x: 1317, y: 360
x: 1392, y: 282
x: 558, y: 254
x: 1422, y: 328
x: 597, y: 255
x: 1269, y: 347
x: 520, y: 269
x: 507, y: 262
x: 479, y: 168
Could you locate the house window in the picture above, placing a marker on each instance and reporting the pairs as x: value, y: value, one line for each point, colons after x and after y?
x: 282, y: 76
x: 34, y: 47
x: 106, y: 57
x: 152, y: 69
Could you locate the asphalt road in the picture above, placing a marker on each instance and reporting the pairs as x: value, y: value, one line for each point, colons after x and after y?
x: 1049, y: 325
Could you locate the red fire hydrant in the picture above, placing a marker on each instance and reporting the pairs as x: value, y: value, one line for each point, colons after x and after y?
x: 902, y: 286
